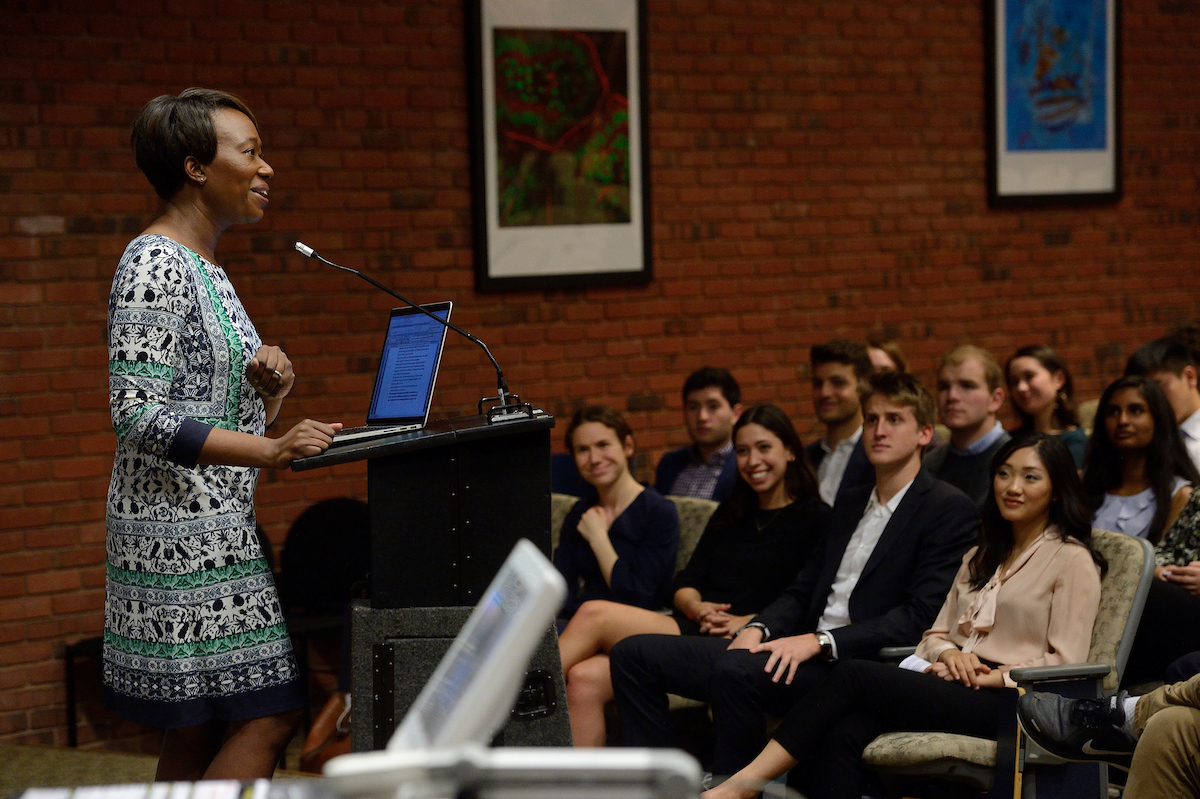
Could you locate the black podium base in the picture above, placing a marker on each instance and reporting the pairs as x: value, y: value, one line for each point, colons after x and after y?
x: 394, y: 651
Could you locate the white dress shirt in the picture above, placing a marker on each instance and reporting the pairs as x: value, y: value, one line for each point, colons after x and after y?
x: 833, y: 465
x: 858, y: 551
x: 1189, y: 429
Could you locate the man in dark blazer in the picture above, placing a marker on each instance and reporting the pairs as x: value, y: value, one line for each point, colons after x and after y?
x: 712, y: 402
x: 877, y: 580
x: 840, y: 369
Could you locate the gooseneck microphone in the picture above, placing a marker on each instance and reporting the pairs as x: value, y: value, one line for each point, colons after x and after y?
x: 510, y: 408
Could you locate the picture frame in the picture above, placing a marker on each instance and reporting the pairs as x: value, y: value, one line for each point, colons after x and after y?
x: 559, y: 144
x: 1053, y: 101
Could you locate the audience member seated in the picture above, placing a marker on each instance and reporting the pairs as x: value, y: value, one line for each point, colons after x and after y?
x: 1137, y: 473
x: 1042, y: 395
x: 970, y: 392
x: 876, y: 580
x: 619, y: 542
x: 750, y: 551
x: 1026, y: 595
x: 712, y: 402
x: 1177, y: 556
x: 1173, y: 366
x: 1170, y: 623
x: 839, y: 370
x: 885, y: 355
x: 1155, y: 737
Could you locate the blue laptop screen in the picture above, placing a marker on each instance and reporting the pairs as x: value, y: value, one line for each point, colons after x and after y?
x: 409, y: 365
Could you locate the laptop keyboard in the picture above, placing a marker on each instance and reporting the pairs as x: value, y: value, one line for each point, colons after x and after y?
x: 369, y: 431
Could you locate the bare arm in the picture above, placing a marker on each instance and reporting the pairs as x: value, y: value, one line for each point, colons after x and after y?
x: 231, y: 448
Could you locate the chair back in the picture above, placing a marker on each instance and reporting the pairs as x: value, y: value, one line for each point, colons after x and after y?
x: 560, y: 506
x: 1123, y: 590
x: 693, y: 518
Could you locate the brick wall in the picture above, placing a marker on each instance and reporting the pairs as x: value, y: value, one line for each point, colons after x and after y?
x: 817, y: 168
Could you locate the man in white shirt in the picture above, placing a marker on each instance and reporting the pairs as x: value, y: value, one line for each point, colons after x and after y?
x: 970, y: 392
x: 1173, y: 366
x: 878, y: 579
x: 840, y: 369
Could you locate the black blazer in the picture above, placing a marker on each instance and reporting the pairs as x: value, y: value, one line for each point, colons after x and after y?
x: 905, y: 581
x: 859, y: 471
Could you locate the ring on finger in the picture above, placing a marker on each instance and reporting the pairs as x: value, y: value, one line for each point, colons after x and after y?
x: 278, y: 373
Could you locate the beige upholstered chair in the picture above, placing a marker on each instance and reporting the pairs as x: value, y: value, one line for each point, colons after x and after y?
x: 693, y: 517
x: 1087, y: 414
x: 972, y: 761
x: 560, y: 506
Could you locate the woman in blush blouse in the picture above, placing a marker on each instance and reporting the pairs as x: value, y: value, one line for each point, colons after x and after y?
x: 1137, y: 473
x: 1026, y: 595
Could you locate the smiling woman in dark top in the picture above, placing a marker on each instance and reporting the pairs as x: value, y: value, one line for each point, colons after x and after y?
x: 752, y: 548
x: 618, y: 543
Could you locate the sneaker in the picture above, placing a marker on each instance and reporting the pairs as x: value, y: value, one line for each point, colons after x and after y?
x: 1078, y: 729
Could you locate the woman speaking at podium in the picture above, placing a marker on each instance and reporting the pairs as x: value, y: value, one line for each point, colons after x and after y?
x: 194, y: 638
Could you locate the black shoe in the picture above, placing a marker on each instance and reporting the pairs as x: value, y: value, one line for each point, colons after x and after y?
x: 1078, y: 729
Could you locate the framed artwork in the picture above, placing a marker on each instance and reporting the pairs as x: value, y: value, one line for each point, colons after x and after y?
x: 558, y: 143
x: 1053, y: 101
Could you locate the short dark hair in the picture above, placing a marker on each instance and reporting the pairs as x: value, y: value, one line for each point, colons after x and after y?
x: 1187, y: 334
x: 843, y: 350
x: 1160, y: 354
x: 1070, y: 511
x: 708, y: 376
x: 902, y: 388
x: 605, y: 415
x: 171, y: 127
x: 1065, y: 414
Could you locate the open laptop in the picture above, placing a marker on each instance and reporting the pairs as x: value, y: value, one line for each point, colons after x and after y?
x: 438, y: 751
x: 408, y: 367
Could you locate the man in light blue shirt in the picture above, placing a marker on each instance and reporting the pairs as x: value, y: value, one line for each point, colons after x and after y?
x: 970, y: 391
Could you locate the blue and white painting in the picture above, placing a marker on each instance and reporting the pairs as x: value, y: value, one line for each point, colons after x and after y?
x: 1056, y: 76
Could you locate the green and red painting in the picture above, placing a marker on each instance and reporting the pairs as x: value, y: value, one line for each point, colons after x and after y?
x: 562, y: 127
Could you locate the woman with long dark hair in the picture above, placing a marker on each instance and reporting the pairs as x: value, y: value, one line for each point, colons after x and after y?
x: 1026, y: 595
x: 1042, y: 393
x: 752, y: 548
x: 1137, y: 473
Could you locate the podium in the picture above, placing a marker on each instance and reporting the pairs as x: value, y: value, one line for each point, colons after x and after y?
x: 447, y: 503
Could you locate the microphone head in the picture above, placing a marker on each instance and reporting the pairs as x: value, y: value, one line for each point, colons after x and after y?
x: 305, y: 250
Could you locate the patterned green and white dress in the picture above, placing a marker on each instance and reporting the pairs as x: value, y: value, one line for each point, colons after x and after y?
x: 193, y: 626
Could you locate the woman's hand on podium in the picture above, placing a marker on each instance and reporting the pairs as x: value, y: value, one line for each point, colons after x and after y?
x: 304, y: 440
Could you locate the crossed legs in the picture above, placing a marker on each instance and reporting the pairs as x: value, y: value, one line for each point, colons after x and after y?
x: 583, y: 647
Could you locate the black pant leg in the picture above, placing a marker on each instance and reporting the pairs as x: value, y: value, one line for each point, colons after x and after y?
x: 743, y: 693
x: 895, y: 698
x: 1183, y: 669
x: 1168, y: 630
x: 835, y: 769
x: 645, y: 668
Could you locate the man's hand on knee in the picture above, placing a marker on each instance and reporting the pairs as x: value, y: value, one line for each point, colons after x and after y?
x: 787, y: 654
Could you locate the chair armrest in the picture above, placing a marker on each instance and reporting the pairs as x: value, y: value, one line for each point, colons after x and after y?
x: 896, y: 653
x: 1067, y: 671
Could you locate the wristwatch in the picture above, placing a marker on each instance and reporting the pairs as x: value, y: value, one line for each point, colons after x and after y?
x: 826, y: 642
x: 756, y: 625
